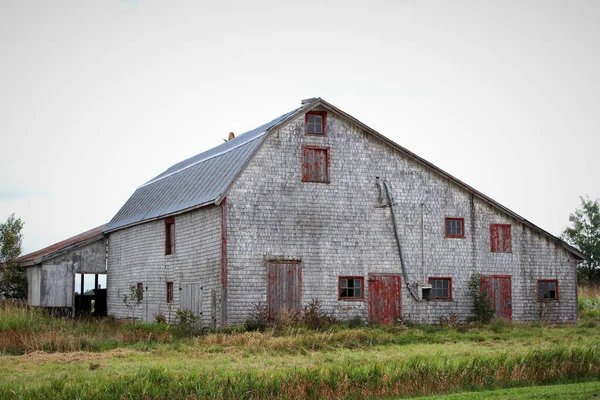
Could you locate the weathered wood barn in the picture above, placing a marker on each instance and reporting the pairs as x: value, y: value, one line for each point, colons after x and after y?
x: 56, y: 274
x: 317, y: 205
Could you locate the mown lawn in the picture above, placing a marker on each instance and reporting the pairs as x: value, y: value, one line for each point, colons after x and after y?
x: 43, y: 357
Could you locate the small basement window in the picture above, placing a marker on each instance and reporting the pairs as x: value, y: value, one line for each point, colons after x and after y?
x: 315, y: 122
x: 170, y: 236
x: 315, y: 164
x: 441, y: 288
x: 454, y: 227
x: 500, y: 238
x: 169, y: 292
x: 351, y: 288
x: 547, y: 289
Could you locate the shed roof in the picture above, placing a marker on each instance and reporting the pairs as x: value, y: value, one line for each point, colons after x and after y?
x: 204, y: 178
x: 61, y: 247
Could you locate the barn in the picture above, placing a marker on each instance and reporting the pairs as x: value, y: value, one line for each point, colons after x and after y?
x: 317, y: 205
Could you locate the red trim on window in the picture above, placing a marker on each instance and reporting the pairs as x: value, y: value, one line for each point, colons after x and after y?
x: 224, y: 243
x: 307, y: 168
x: 500, y: 244
x: 168, y: 223
x: 323, y: 115
x: 169, y: 292
x: 538, y: 289
x: 362, y: 289
x: 444, y: 278
x: 462, y: 221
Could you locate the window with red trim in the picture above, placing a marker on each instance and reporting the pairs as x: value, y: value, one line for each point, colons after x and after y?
x: 441, y: 288
x: 547, y: 289
x: 315, y: 164
x: 500, y: 238
x: 170, y: 236
x: 454, y: 227
x: 315, y: 122
x: 351, y: 288
x: 169, y: 292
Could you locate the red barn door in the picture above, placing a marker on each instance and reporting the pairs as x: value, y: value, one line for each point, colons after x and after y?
x: 384, y: 299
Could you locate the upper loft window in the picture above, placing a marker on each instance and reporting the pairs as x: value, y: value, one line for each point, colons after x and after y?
x: 170, y: 236
x: 351, y: 288
x: 315, y: 122
x: 547, y: 289
x: 500, y: 238
x: 315, y: 164
x: 454, y: 227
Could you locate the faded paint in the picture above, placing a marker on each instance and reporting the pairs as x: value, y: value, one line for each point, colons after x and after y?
x: 385, y: 304
x: 284, y: 281
x: 499, y: 293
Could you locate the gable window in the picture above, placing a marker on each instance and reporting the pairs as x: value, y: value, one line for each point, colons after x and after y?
x: 169, y: 292
x: 500, y: 238
x: 454, y: 227
x: 441, y: 288
x: 139, y: 291
x: 315, y: 122
x: 351, y: 288
x: 315, y: 164
x: 547, y: 289
x: 170, y: 236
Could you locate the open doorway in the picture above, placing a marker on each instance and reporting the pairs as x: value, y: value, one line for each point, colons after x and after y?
x: 90, y: 294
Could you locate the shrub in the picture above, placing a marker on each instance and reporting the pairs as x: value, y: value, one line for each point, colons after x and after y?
x: 482, y: 307
x: 259, y: 318
x: 187, y: 324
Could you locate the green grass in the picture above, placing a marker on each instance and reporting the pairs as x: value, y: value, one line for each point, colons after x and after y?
x: 45, y: 357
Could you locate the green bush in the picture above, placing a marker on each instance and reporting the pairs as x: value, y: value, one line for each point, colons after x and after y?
x: 482, y: 307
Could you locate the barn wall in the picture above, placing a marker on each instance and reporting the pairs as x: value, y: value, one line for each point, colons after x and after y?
x: 137, y: 254
x: 51, y: 282
x: 342, y: 228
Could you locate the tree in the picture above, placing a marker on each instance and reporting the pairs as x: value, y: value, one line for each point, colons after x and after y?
x: 584, y: 233
x: 13, y: 282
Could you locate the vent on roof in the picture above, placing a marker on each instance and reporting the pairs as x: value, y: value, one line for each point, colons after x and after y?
x: 306, y: 101
x: 231, y: 135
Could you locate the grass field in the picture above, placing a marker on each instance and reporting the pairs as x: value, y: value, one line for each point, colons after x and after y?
x: 45, y: 357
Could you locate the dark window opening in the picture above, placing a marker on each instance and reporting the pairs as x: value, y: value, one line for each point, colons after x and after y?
x: 315, y: 122
x: 140, y: 291
x: 169, y: 292
x: 441, y: 288
x: 454, y: 227
x: 351, y: 288
x: 170, y: 236
x: 500, y: 238
x: 315, y: 164
x: 547, y: 289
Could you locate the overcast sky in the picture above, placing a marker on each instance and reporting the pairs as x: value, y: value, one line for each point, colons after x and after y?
x: 98, y: 97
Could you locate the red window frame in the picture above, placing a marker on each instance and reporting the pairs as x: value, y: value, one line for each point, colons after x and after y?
x: 438, y: 278
x: 323, y: 116
x: 140, y: 291
x: 169, y: 236
x: 169, y: 292
x: 353, y: 298
x: 307, y: 172
x: 555, y: 298
x: 462, y: 228
x: 500, y: 243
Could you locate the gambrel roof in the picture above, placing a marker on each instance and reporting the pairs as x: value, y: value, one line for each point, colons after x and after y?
x: 204, y: 179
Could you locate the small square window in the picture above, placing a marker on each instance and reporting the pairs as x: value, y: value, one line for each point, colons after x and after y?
x: 441, y: 288
x: 315, y: 164
x: 500, y: 238
x: 547, y: 289
x: 170, y: 236
x: 139, y: 291
x: 315, y: 122
x: 169, y: 292
x: 351, y: 288
x: 454, y: 227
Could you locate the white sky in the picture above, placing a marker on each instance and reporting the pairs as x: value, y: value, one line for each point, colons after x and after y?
x: 98, y: 97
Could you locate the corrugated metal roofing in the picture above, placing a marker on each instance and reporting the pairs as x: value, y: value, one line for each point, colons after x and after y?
x: 57, y: 248
x: 193, y: 182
